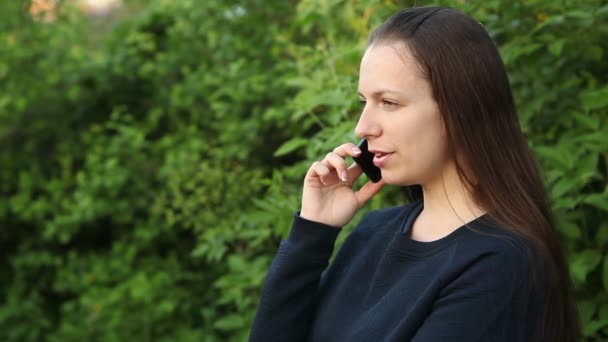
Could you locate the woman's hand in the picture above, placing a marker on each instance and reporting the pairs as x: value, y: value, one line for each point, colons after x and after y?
x: 328, y: 196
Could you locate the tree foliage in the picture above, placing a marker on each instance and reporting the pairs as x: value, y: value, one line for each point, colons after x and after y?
x: 149, y: 172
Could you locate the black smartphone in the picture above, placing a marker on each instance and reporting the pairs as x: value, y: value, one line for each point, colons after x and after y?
x: 366, y: 161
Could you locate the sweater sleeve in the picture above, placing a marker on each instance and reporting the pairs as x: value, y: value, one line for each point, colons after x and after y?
x: 492, y: 300
x: 287, y: 303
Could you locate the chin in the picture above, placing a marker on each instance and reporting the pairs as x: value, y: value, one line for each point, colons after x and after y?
x: 397, y: 180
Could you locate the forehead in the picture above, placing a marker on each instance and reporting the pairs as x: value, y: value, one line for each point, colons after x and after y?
x: 389, y: 65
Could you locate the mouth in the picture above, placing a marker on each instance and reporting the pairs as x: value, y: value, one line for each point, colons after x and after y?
x: 380, y: 158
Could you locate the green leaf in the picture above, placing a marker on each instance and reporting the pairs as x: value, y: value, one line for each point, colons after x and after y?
x: 229, y: 322
x: 565, y: 203
x: 513, y: 51
x: 592, y: 327
x: 588, y: 121
x: 595, y: 99
x: 579, y: 14
x: 583, y: 263
x: 587, y: 309
x: 594, y: 142
x: 586, y: 169
x: 597, y: 200
x: 290, y: 146
x: 569, y: 229
x: 605, y: 274
x: 556, y: 47
x: 555, y: 156
x: 602, y: 235
x: 603, y: 311
x: 562, y: 186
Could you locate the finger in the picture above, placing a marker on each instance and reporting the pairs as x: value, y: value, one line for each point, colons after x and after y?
x: 354, y: 171
x: 319, y: 170
x: 368, y: 191
x: 348, y: 149
x: 334, y: 161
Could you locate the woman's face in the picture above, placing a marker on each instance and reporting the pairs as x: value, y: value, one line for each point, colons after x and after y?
x: 400, y: 118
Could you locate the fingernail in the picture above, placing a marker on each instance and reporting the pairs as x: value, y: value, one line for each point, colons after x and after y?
x: 356, y: 150
x: 343, y: 176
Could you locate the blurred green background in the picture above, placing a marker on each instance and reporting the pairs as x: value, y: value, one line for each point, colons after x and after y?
x: 152, y: 155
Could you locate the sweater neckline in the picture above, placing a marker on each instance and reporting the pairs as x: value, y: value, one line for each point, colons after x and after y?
x: 405, y: 244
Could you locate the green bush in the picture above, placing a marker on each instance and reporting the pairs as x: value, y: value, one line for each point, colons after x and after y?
x: 149, y: 171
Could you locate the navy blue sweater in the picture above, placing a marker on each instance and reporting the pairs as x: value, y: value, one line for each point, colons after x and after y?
x: 472, y: 285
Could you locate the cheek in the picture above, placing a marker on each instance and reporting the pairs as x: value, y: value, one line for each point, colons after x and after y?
x: 426, y: 132
x: 427, y: 140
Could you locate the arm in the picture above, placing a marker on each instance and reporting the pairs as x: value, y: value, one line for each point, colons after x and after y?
x: 287, y: 304
x: 492, y: 300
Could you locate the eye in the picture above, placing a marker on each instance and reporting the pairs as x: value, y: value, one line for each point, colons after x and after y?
x: 362, y: 103
x: 389, y: 104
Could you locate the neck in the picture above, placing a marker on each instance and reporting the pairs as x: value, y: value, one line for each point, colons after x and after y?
x: 447, y: 206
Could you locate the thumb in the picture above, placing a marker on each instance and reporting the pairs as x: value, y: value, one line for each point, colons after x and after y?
x: 368, y: 191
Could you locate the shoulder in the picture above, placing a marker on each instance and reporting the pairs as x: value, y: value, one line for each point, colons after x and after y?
x: 489, y: 237
x: 499, y: 253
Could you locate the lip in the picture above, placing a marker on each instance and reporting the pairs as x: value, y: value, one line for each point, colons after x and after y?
x: 374, y: 151
x: 381, y: 160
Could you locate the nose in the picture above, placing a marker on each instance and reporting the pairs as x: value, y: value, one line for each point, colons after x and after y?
x: 368, y: 126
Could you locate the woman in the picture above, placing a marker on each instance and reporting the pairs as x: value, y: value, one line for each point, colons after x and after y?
x: 473, y: 256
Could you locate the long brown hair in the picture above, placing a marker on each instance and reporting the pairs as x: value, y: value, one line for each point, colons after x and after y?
x: 472, y: 91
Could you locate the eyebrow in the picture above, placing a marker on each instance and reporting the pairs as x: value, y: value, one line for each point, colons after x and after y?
x: 380, y: 92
